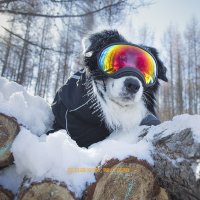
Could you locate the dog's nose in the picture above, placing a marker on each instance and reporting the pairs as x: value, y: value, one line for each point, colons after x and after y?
x: 132, y: 85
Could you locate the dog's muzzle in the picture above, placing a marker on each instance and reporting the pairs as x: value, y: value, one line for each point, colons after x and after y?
x: 131, y: 85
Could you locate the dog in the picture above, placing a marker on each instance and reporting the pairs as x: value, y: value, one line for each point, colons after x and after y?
x: 93, y: 104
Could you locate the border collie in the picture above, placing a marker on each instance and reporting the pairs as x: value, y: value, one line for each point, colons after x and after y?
x: 92, y: 104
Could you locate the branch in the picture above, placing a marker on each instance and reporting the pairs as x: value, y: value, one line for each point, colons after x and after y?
x: 60, y: 16
x: 34, y: 44
x: 61, y: 1
x: 6, y: 1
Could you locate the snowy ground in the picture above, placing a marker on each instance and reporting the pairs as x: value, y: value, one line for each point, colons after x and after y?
x: 39, y: 156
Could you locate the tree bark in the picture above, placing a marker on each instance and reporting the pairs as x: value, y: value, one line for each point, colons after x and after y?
x: 6, y: 194
x: 177, y: 157
x: 9, y: 128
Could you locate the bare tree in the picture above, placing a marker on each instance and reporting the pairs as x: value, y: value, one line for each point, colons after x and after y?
x: 179, y: 63
x: 46, y: 46
x: 146, y: 36
x: 181, y: 55
x: 192, y: 41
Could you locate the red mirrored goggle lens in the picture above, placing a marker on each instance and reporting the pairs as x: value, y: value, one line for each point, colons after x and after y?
x: 118, y: 56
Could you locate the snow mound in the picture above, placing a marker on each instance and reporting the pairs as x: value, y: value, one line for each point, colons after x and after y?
x: 31, y: 111
x: 42, y: 156
x: 52, y: 156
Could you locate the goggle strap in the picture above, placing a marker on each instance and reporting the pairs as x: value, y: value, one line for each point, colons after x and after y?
x: 129, y: 72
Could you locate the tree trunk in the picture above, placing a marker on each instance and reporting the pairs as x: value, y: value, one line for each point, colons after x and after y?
x: 47, y: 189
x: 24, y: 55
x: 7, y: 51
x: 9, y: 128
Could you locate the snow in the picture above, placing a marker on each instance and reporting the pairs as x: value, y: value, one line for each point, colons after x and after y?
x: 42, y: 156
x: 54, y: 155
x: 31, y: 111
x: 177, y: 124
x: 10, y: 179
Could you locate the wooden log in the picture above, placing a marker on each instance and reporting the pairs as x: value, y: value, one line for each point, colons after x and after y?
x: 9, y: 128
x: 177, y: 164
x: 46, y: 189
x: 129, y: 179
x: 6, y: 194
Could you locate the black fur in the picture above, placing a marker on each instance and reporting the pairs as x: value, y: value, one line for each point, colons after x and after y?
x: 99, y: 41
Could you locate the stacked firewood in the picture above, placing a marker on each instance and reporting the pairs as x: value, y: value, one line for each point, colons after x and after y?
x: 174, y: 157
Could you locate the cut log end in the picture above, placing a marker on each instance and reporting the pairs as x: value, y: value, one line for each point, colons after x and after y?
x: 128, y: 179
x: 9, y: 128
x: 46, y: 190
x: 5, y: 194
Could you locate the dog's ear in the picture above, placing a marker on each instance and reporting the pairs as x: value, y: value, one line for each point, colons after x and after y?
x: 86, y: 44
x: 97, y: 41
x: 162, y: 70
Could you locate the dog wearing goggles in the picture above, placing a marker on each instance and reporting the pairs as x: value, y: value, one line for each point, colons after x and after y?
x: 115, y: 90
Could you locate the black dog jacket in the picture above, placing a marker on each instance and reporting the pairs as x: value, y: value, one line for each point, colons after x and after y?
x: 73, y: 112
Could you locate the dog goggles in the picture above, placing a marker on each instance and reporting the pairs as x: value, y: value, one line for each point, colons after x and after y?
x: 121, y: 59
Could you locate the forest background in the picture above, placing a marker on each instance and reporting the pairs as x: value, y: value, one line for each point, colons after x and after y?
x: 40, y: 46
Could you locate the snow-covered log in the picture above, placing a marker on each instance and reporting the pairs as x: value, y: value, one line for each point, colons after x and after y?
x: 5, y: 194
x: 177, y: 163
x: 9, y: 128
x: 45, y: 189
